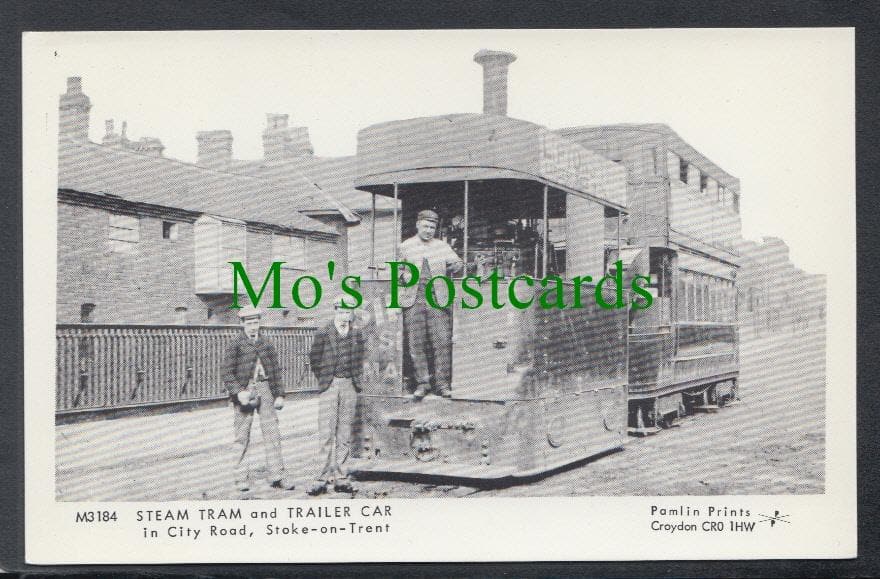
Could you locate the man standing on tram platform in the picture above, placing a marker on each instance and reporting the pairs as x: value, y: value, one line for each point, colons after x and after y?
x: 429, y: 329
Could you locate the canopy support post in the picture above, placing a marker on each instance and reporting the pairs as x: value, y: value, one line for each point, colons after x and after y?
x: 466, y: 204
x: 546, y: 233
x: 618, y: 233
x: 396, y: 232
x: 373, y: 270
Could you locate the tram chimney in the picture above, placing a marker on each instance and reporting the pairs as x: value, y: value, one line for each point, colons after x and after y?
x: 494, y: 63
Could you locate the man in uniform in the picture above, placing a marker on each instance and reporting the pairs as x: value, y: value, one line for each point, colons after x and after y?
x: 337, y: 360
x: 429, y: 329
x: 251, y: 376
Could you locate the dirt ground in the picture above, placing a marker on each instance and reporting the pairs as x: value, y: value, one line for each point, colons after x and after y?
x: 771, y: 442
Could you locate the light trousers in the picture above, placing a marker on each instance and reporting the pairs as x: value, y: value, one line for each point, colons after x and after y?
x: 243, y: 420
x: 336, y: 408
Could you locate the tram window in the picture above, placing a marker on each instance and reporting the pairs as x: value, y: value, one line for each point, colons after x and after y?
x: 710, y: 303
x: 716, y: 301
x: 691, y: 300
x: 704, y: 301
x: 681, y: 299
x: 661, y: 274
x: 505, y: 227
x: 698, y: 313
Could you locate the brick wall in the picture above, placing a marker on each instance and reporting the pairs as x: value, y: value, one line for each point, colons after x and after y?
x: 149, y: 282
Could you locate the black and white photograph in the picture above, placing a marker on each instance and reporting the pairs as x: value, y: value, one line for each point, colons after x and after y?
x: 298, y: 267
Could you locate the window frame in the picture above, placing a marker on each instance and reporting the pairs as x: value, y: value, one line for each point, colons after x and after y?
x: 122, y: 243
x: 172, y: 228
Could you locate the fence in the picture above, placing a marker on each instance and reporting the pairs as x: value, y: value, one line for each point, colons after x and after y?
x: 112, y: 366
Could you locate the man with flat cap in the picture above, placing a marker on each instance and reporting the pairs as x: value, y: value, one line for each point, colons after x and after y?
x: 252, y: 378
x: 337, y: 360
x: 429, y: 329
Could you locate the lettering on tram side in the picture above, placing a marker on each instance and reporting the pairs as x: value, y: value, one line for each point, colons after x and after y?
x: 287, y: 522
x: 684, y: 519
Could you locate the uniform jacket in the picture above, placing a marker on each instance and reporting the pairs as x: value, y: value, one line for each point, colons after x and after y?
x: 322, y: 356
x: 440, y: 259
x: 240, y: 360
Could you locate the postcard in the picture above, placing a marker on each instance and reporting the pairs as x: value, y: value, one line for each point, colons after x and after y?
x: 463, y: 295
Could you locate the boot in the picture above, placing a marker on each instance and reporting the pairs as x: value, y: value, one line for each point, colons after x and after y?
x: 343, y: 485
x: 421, y: 391
x: 445, y: 391
x: 318, y: 487
x: 284, y: 484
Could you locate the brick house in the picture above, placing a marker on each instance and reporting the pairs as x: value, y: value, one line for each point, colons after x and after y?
x: 144, y: 239
x: 288, y: 158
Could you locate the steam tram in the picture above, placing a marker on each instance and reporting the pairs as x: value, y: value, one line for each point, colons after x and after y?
x: 532, y: 389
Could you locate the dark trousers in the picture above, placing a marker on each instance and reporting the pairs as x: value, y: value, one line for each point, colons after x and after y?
x: 429, y: 335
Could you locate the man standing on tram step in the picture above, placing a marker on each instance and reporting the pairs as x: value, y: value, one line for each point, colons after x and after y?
x: 337, y: 360
x: 429, y: 329
x: 252, y: 378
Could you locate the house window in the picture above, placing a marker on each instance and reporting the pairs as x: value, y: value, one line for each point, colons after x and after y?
x: 216, y: 242
x: 704, y: 183
x: 180, y: 317
x: 85, y: 313
x: 124, y: 232
x: 169, y: 230
x: 683, y: 170
x: 289, y: 249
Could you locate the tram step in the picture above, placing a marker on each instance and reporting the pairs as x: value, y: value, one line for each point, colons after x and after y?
x: 707, y: 408
x: 437, y: 469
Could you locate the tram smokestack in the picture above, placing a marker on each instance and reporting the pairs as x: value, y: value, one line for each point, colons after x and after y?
x: 494, y: 63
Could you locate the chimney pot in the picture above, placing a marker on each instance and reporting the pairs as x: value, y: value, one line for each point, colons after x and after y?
x: 494, y: 63
x: 74, y: 85
x: 281, y: 141
x: 276, y: 121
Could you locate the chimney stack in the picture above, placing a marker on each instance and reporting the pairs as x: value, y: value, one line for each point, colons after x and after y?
x: 281, y: 141
x: 494, y: 63
x: 73, y: 111
x: 215, y: 149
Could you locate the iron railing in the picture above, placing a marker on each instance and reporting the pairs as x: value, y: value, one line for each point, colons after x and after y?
x: 113, y: 366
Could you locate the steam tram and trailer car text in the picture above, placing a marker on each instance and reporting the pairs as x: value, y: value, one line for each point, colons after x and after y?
x: 535, y: 389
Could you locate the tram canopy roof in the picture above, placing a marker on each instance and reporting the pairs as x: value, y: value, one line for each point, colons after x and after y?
x: 482, y: 147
